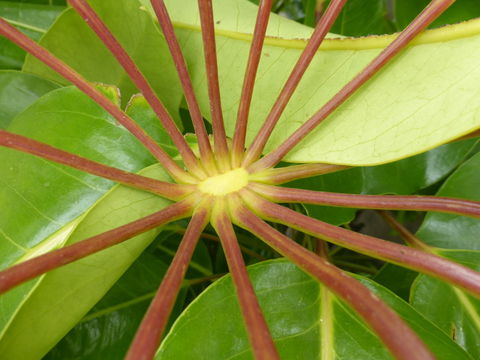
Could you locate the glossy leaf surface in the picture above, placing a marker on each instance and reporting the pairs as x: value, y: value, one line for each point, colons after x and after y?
x: 34, y: 18
x: 453, y: 310
x: 302, y: 316
x: 456, y: 232
x: 107, y: 330
x: 66, y: 206
x: 14, y: 97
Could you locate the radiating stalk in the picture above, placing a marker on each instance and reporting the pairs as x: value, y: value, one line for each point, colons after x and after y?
x: 321, y: 30
x: 44, y: 151
x: 282, y: 175
x: 402, y: 342
x: 257, y: 329
x: 380, y: 202
x: 116, y: 49
x: 75, y: 78
x: 238, y: 146
x: 181, y: 66
x: 425, y: 18
x: 32, y: 268
x: 210, y: 53
x: 148, y: 337
x: 406, y: 235
x: 448, y: 271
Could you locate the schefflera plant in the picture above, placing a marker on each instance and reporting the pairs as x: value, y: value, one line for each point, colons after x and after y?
x: 231, y: 183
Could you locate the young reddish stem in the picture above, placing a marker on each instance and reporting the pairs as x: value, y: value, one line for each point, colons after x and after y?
x: 425, y: 18
x: 260, y: 338
x: 380, y: 202
x: 210, y: 52
x: 162, y: 188
x: 179, y: 61
x: 29, y: 269
x: 294, y: 172
x: 148, y: 336
x: 443, y: 269
x: 71, y: 75
x: 207, y: 236
x: 116, y: 49
x: 321, y: 30
x: 238, y: 146
x: 391, y: 329
x: 406, y: 235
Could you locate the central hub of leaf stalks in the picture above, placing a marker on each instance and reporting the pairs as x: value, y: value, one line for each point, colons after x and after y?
x: 225, y: 183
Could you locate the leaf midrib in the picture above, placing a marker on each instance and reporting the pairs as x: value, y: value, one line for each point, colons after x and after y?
x: 458, y: 31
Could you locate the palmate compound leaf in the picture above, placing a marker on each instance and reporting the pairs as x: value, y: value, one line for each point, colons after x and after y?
x: 55, y: 206
x: 425, y: 97
x: 306, y: 321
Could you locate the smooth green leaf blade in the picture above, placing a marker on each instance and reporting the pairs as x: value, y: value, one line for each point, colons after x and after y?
x: 408, y: 176
x: 73, y: 41
x: 18, y: 91
x: 450, y: 231
x: 65, y: 295
x: 424, y: 98
x: 48, y: 196
x: 423, y: 170
x: 348, y: 181
x: 291, y: 301
x: 461, y: 10
x: 33, y: 19
x: 108, y: 329
x: 454, y: 311
x: 55, y: 205
x: 363, y: 18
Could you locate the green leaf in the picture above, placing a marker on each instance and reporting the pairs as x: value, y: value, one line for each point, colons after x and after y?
x: 455, y: 231
x: 301, y: 314
x: 408, y: 176
x: 362, y: 18
x: 55, y: 206
x: 453, y: 310
x: 33, y: 19
x: 348, y: 181
x: 407, y: 109
x: 461, y: 10
x: 423, y: 170
x: 13, y: 95
x: 108, y: 329
x: 73, y: 41
x: 231, y: 16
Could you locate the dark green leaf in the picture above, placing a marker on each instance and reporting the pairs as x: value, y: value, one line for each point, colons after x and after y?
x: 453, y: 310
x: 454, y: 231
x: 107, y: 330
x: 291, y: 301
x: 362, y: 18
x: 30, y: 17
x: 461, y: 10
